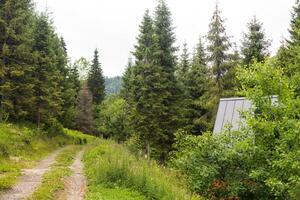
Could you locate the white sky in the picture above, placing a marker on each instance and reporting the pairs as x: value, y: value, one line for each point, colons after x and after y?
x: 112, y: 25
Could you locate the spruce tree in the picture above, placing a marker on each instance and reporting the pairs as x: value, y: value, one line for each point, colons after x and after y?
x: 295, y: 25
x: 96, y: 82
x: 142, y: 84
x: 127, y: 78
x: 218, y: 46
x: 169, y: 91
x: 289, y: 52
x: 16, y: 88
x: 254, y: 44
x: 68, y: 80
x: 47, y: 74
x: 164, y: 32
x: 153, y: 84
x: 70, y: 89
x: 229, y: 80
x: 200, y: 90
x: 65, y: 95
x: 184, y: 65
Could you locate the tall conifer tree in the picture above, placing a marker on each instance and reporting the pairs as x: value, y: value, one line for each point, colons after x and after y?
x: 16, y: 88
x: 126, y: 91
x: 184, y: 65
x: 289, y: 53
x: 143, y: 85
x: 295, y: 25
x: 170, y: 100
x: 254, y: 44
x: 47, y: 75
x: 70, y: 86
x: 200, y: 89
x: 96, y: 82
x: 218, y: 46
x: 154, y: 86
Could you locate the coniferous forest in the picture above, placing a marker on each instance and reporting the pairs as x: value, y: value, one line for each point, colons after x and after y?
x: 162, y: 110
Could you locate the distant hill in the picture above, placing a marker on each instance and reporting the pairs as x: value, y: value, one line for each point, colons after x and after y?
x: 113, y: 85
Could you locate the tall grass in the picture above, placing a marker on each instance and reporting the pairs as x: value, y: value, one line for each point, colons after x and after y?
x: 111, y: 165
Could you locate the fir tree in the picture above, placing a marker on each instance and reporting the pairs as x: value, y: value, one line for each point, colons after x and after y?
x: 141, y: 84
x: 163, y: 29
x: 145, y: 39
x: 218, y: 46
x: 16, y: 88
x: 295, y: 25
x: 254, y: 44
x: 96, y: 82
x: 289, y: 53
x: 153, y: 85
x: 200, y: 90
x: 184, y: 65
x: 48, y: 72
x: 229, y: 80
x: 169, y: 92
x: 74, y: 76
x: 127, y: 81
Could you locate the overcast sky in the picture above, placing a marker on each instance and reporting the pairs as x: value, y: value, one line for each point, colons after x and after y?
x: 112, y: 25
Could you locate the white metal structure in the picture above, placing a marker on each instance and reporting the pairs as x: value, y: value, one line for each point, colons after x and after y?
x: 229, y: 113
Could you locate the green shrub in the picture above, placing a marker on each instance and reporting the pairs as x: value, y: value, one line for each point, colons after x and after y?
x: 3, y: 150
x: 260, y: 161
x: 54, y: 128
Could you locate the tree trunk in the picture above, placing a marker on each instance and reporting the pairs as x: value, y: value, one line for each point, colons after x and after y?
x: 148, y: 152
x: 38, y: 119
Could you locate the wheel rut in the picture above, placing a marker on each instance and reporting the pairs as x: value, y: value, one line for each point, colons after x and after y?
x: 76, y: 183
x: 30, y: 179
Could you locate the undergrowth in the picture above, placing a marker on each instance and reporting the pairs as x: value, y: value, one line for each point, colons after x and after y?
x: 111, y: 167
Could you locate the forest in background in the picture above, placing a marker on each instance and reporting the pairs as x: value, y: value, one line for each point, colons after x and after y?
x: 113, y: 85
x: 167, y: 104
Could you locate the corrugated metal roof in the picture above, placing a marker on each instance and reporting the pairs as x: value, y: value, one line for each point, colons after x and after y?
x: 229, y: 113
x: 230, y: 110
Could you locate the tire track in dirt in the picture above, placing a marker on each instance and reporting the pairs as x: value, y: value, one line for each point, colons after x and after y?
x: 30, y: 179
x: 76, y: 183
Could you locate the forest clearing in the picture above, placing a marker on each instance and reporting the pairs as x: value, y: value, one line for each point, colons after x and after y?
x: 218, y: 121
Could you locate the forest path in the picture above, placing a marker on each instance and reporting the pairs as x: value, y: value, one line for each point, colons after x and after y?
x: 30, y: 179
x: 76, y: 184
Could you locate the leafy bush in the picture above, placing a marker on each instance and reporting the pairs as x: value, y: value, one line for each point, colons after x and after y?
x: 3, y: 150
x: 112, y: 119
x: 54, y: 128
x: 110, y: 165
x: 260, y: 161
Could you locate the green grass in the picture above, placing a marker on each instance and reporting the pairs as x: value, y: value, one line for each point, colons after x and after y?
x: 103, y: 193
x: 78, y: 137
x: 22, y: 145
x: 114, y: 173
x: 53, y: 181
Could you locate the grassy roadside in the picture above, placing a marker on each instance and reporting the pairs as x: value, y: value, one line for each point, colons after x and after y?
x: 100, y: 192
x: 53, y: 181
x: 113, y: 173
x: 22, y: 145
